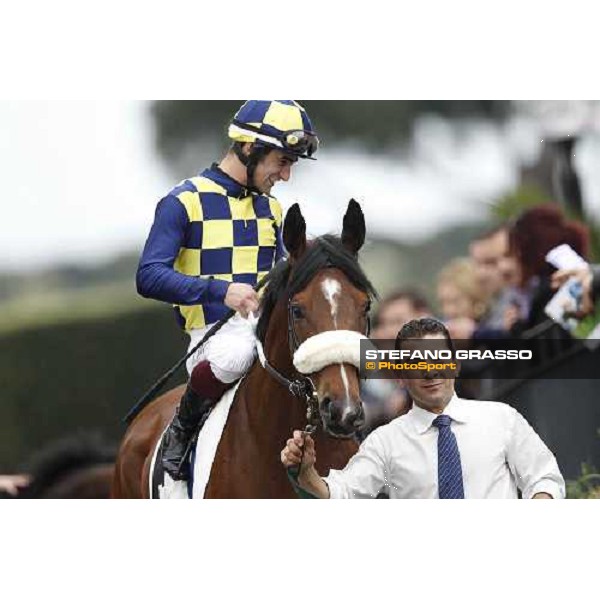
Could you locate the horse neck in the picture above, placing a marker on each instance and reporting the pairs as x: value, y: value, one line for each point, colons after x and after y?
x: 276, y: 346
x: 274, y: 399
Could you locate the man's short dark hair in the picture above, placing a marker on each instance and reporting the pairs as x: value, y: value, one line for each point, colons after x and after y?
x: 419, y: 328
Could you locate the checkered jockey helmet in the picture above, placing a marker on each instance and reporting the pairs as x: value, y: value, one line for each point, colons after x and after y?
x: 281, y: 124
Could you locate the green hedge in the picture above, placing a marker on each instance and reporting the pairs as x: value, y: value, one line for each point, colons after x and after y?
x: 80, y: 376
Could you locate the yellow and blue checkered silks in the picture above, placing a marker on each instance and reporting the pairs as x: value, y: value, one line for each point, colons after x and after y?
x: 276, y: 123
x: 231, y: 239
x: 212, y: 230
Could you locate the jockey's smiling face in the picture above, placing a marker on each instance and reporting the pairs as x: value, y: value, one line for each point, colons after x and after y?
x: 275, y: 166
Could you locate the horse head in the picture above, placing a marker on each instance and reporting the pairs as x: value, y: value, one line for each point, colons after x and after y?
x: 328, y: 299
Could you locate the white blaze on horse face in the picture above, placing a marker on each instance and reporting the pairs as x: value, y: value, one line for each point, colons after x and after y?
x: 346, y: 387
x: 331, y: 288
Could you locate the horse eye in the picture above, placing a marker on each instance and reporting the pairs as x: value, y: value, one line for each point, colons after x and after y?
x: 297, y: 312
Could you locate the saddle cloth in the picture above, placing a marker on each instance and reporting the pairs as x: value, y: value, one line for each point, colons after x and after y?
x: 162, y: 487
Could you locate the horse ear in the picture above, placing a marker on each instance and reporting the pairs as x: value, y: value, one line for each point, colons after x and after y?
x: 294, y: 232
x: 353, y: 232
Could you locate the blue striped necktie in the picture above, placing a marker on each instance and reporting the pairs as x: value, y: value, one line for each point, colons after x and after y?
x: 450, y: 481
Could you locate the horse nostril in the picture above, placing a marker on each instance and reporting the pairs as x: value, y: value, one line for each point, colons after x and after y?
x: 330, y: 409
x: 356, y: 418
x: 361, y: 412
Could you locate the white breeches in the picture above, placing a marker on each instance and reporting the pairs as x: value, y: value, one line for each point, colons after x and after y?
x: 230, y: 352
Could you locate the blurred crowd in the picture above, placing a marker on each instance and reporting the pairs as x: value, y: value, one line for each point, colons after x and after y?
x: 498, y: 291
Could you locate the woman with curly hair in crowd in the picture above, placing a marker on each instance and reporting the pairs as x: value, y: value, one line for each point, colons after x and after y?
x: 533, y: 235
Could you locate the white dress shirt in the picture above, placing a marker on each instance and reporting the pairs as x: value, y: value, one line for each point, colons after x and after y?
x: 499, y: 451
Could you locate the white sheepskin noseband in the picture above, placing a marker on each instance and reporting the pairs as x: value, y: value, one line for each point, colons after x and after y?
x: 327, y: 348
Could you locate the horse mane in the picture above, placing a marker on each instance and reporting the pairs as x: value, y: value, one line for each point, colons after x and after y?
x: 323, y: 252
x: 58, y: 462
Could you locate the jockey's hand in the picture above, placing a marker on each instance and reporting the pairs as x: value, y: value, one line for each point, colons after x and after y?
x: 292, y: 452
x: 242, y: 298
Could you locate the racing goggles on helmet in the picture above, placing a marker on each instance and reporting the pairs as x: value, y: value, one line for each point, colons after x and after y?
x: 300, y: 142
x: 296, y: 141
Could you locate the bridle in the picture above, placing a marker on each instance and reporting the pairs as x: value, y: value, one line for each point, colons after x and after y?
x: 302, y: 386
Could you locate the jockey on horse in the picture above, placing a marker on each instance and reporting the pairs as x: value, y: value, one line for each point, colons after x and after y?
x: 213, y: 238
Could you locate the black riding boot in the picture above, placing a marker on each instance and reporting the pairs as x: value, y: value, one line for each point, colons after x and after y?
x: 179, y: 435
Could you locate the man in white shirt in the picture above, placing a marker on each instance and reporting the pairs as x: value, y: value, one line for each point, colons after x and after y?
x: 444, y: 447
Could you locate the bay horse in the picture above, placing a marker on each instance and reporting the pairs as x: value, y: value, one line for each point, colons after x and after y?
x: 320, y: 289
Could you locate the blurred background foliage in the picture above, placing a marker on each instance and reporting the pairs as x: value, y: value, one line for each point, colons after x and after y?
x: 378, y: 126
x: 586, y: 486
